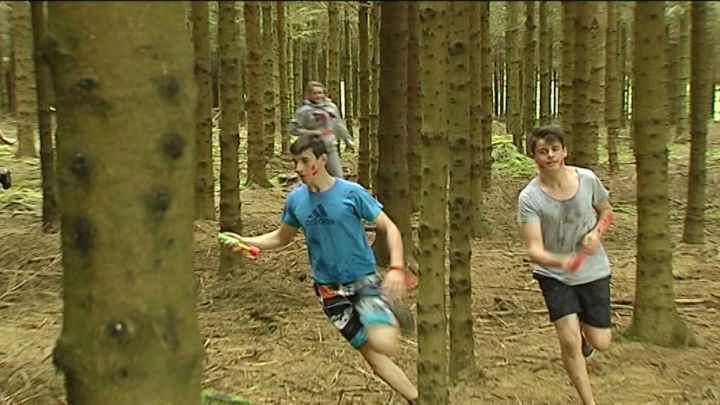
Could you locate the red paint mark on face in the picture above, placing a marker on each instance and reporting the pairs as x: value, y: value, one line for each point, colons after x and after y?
x: 313, y: 170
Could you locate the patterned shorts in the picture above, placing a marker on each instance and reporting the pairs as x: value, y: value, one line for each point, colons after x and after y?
x: 354, y: 307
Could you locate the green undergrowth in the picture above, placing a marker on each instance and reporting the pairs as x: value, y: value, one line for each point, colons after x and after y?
x: 508, y: 162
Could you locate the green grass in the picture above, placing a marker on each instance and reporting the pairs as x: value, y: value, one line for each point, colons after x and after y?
x: 508, y: 162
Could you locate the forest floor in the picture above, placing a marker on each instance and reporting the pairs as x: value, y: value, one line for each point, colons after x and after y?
x: 266, y: 338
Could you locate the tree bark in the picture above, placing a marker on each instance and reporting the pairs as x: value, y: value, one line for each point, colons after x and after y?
x: 24, y: 75
x: 414, y: 119
x: 364, y: 96
x: 700, y: 90
x: 256, y: 157
x: 655, y: 316
x: 462, y: 353
x: 204, y: 179
x: 126, y: 154
x: 432, y: 366
x: 44, y: 117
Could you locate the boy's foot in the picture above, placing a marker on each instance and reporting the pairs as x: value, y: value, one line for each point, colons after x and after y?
x: 587, y: 350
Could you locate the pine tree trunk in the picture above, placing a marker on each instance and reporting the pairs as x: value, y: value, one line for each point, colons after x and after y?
x: 486, y: 107
x: 584, y: 133
x: 44, y: 95
x: 462, y: 353
x: 683, y: 78
x: 597, y: 75
x: 364, y: 96
x: 529, y: 79
x: 268, y: 41
x: 475, y: 124
x: 24, y: 74
x: 414, y: 119
x: 700, y: 88
x: 322, y: 65
x: 356, y: 78
x: 501, y: 71
x: 392, y: 187
x: 256, y: 157
x: 204, y: 179
x: 567, y: 71
x: 432, y: 369
x: 298, y: 72
x: 242, y: 72
x: 130, y: 326
x: 282, y: 59
x: 612, y: 88
x: 623, y: 73
x: 230, y: 205
x: 514, y: 102
x: 655, y: 316
x: 672, y: 90
x: 332, y: 49
x: 349, y: 105
x: 545, y: 50
x: 374, y: 92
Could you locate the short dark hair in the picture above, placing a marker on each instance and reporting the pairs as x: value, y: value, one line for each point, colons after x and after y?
x: 312, y: 142
x: 548, y: 133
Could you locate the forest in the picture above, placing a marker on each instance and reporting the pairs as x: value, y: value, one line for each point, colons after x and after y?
x: 132, y: 133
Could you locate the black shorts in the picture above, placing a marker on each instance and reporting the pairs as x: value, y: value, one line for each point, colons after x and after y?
x: 590, y: 301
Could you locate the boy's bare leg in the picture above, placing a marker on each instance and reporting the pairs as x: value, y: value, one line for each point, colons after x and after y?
x: 382, y: 341
x: 599, y: 338
x: 568, y: 333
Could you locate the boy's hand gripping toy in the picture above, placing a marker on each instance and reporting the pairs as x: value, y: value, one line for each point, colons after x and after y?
x: 579, y: 258
x: 233, y: 239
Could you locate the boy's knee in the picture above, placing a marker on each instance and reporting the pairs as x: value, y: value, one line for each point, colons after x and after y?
x: 383, y: 339
x: 602, y: 341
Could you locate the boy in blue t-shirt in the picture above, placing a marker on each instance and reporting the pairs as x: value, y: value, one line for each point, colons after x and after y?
x: 330, y: 212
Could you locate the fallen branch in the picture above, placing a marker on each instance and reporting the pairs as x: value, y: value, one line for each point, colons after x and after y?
x: 678, y: 301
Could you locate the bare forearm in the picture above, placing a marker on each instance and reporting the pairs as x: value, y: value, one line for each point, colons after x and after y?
x: 268, y: 241
x: 395, y: 247
x: 605, y: 217
x: 546, y: 259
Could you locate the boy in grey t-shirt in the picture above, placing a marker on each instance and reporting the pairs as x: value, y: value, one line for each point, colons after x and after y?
x: 559, y: 211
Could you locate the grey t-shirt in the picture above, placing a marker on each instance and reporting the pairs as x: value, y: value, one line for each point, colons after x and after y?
x: 565, y: 223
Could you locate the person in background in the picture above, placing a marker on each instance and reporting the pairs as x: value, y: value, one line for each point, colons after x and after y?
x: 318, y: 115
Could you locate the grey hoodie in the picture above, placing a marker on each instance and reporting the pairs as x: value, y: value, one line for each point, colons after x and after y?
x: 311, y: 116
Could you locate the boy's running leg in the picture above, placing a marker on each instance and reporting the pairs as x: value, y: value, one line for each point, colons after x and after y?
x: 568, y: 333
x: 383, y: 337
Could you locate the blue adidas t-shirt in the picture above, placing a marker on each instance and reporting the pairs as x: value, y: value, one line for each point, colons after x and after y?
x: 332, y: 221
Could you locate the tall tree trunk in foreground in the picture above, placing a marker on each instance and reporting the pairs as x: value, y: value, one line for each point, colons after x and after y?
x: 126, y: 152
x: 432, y: 368
x: 655, y: 317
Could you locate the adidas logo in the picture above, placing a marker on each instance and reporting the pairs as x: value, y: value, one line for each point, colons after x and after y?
x: 319, y: 216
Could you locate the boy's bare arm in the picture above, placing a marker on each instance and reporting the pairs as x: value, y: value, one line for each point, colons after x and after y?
x: 272, y: 240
